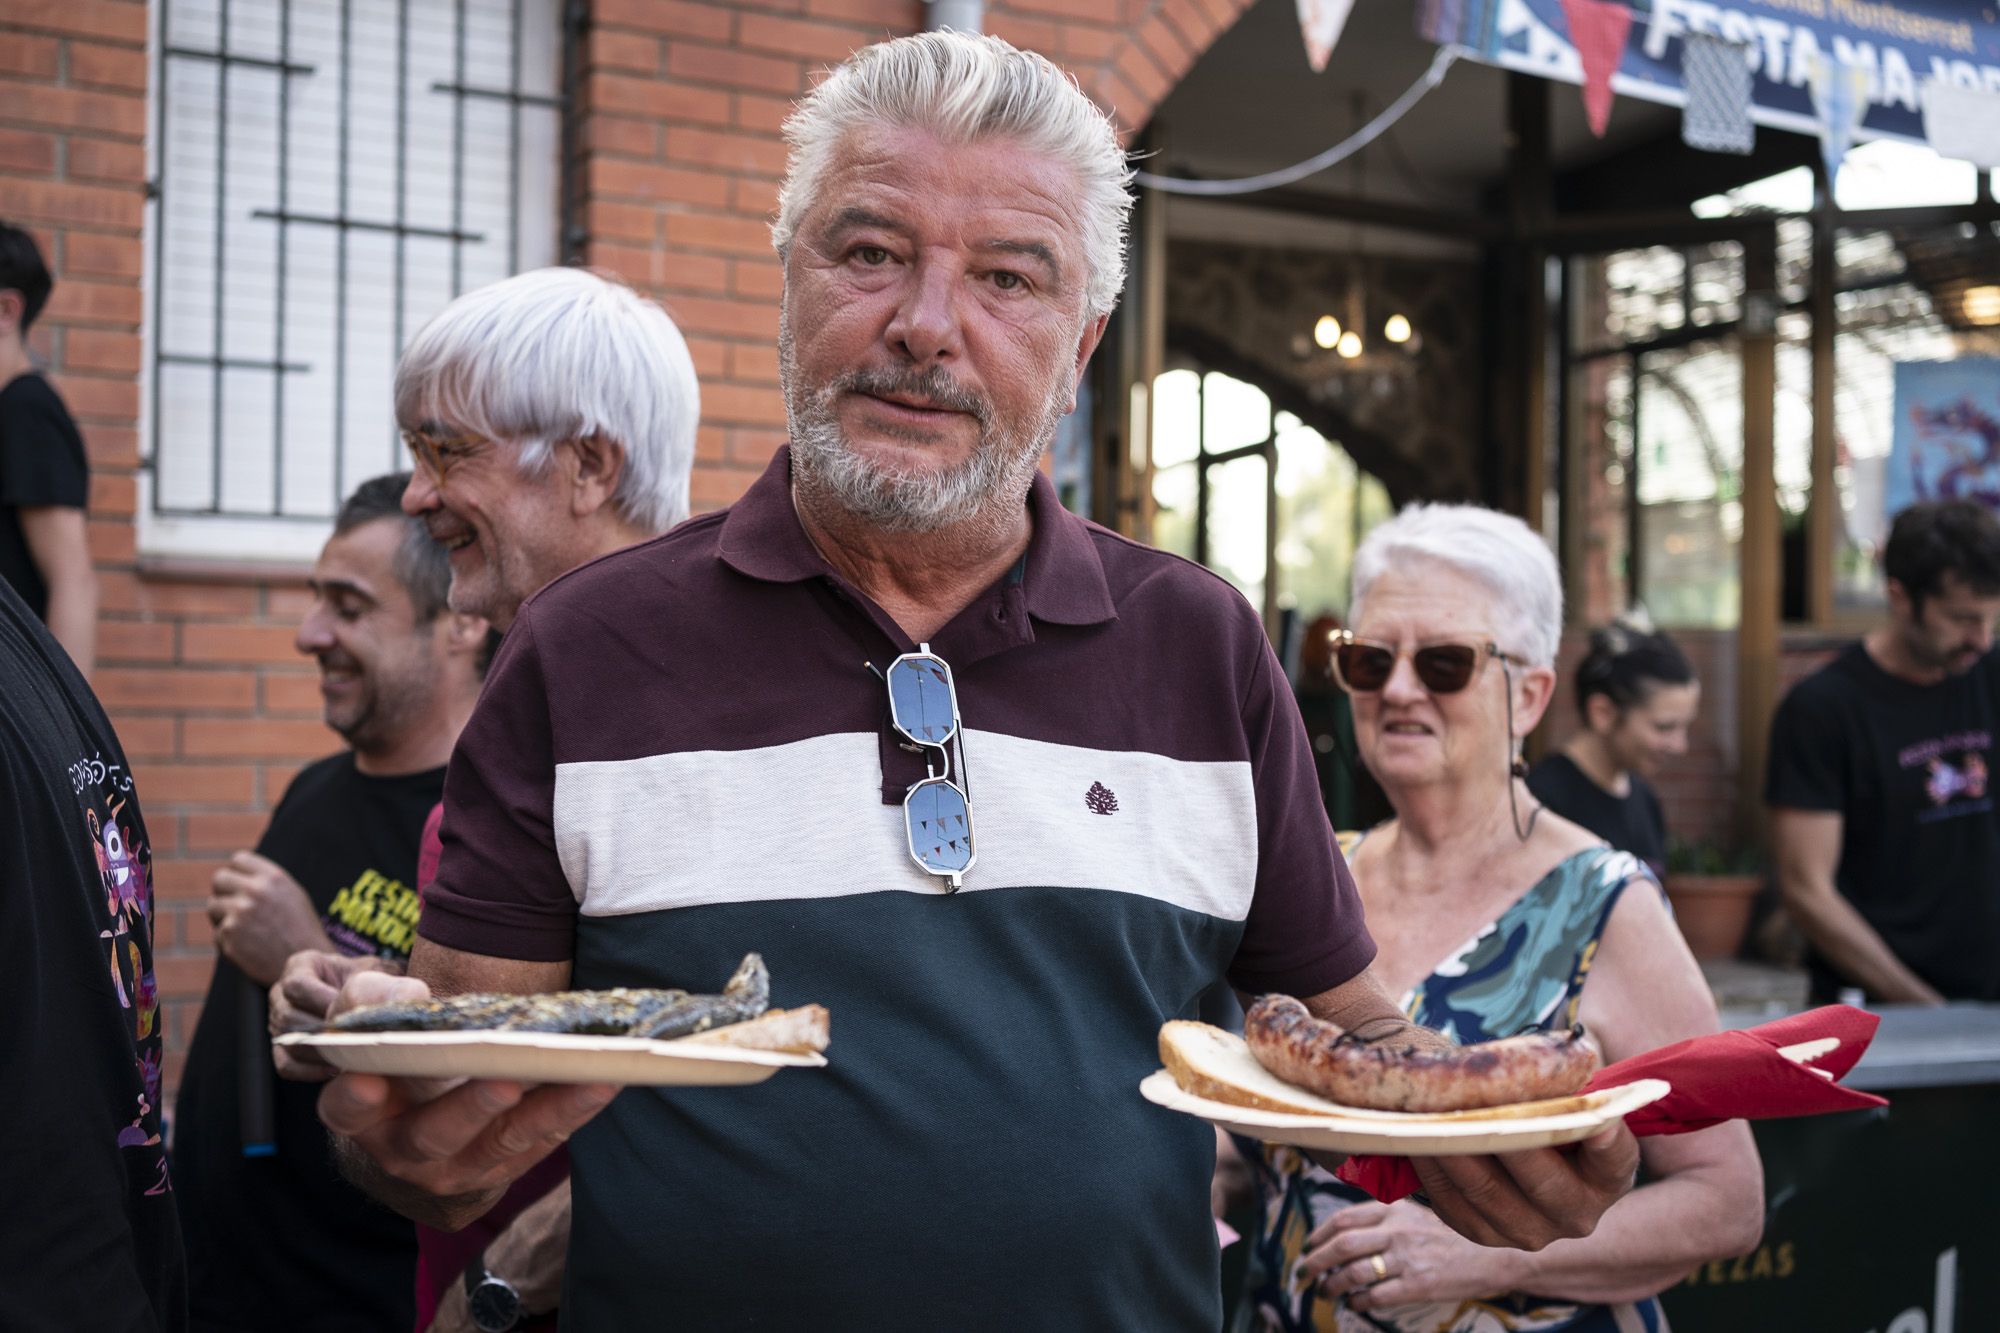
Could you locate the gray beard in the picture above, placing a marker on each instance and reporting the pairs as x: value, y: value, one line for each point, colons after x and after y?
x: 995, y: 479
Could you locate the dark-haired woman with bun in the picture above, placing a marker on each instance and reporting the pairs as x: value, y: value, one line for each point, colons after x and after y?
x: 1638, y: 696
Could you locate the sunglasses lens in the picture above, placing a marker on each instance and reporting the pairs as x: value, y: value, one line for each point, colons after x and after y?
x: 920, y: 699
x: 1446, y: 668
x: 1364, y: 666
x: 940, y: 826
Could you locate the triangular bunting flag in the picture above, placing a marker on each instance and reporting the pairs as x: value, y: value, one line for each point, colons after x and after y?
x: 1320, y: 22
x: 1598, y: 28
x: 1840, y: 100
x: 1962, y: 122
x: 1716, y: 77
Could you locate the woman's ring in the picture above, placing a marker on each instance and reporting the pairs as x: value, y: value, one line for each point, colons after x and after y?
x: 1381, y: 1269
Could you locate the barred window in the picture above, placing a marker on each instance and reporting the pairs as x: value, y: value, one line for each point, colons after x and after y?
x: 328, y: 174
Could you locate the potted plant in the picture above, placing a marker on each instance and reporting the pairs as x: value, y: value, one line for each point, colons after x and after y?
x: 1712, y: 889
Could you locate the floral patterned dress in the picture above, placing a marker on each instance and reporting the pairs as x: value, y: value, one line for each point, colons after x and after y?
x: 1524, y: 970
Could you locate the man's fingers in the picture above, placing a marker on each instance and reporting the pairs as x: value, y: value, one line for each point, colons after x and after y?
x: 364, y: 988
x: 297, y: 1066
x: 444, y: 1127
x: 1609, y: 1159
x: 226, y: 882
x: 1467, y: 1191
x: 353, y: 1104
x: 544, y: 1119
x: 301, y: 999
x: 478, y: 1135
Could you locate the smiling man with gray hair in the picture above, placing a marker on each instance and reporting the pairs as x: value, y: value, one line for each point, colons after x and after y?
x: 999, y: 788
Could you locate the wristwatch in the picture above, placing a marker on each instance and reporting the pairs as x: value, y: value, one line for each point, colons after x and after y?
x: 494, y: 1304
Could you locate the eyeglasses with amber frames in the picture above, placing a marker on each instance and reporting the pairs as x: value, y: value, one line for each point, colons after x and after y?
x: 1363, y: 666
x: 438, y: 453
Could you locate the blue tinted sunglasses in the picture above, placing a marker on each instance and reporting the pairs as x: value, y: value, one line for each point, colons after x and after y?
x: 937, y: 816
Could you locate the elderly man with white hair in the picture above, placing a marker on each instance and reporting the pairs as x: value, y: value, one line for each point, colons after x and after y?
x: 1083, y: 799
x: 552, y: 417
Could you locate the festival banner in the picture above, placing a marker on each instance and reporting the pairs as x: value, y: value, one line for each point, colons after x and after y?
x: 1946, y: 443
x: 1901, y: 46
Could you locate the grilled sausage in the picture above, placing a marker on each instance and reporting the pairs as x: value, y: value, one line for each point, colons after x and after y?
x: 1392, y: 1075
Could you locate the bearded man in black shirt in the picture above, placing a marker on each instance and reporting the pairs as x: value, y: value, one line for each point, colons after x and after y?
x: 1881, y: 782
x: 275, y: 1238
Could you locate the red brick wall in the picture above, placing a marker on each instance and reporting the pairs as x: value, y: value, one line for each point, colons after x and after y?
x: 679, y: 156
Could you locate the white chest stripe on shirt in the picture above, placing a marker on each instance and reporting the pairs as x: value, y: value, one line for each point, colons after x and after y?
x: 806, y: 820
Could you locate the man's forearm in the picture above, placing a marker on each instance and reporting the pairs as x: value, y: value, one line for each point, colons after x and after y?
x: 445, y: 1214
x: 1834, y: 927
x: 72, y: 617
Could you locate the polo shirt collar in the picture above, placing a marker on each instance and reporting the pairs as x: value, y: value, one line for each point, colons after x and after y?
x: 1063, y: 582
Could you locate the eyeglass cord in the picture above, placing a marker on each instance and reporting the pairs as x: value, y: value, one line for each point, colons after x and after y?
x: 1517, y: 767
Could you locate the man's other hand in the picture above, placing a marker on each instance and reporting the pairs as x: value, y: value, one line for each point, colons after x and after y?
x: 305, y: 991
x: 261, y: 916
x: 442, y: 1153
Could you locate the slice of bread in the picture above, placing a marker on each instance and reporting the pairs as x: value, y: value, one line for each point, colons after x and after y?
x: 1208, y: 1062
x: 801, y: 1031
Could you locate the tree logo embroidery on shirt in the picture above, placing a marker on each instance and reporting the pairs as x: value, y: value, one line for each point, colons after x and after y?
x: 1101, y: 799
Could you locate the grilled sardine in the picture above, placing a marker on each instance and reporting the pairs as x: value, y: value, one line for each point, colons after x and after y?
x: 606, y: 1013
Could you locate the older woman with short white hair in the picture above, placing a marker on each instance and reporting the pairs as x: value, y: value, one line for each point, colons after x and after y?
x: 1493, y: 916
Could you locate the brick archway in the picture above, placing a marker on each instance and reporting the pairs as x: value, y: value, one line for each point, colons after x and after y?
x: 678, y: 157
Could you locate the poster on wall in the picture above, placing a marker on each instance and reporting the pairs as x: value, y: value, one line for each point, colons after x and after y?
x: 1899, y: 47
x: 1946, y: 443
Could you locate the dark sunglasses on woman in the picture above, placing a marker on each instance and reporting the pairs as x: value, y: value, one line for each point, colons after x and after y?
x: 1363, y: 666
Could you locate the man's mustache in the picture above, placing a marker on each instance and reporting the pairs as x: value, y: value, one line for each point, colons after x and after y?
x: 932, y: 385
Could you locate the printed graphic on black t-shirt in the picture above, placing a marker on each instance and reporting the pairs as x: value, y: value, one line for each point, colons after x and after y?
x: 1909, y: 770
x: 1954, y: 773
x: 125, y: 865
x: 281, y: 1241
x: 375, y: 914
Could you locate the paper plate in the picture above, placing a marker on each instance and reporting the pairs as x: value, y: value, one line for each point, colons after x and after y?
x: 544, y: 1057
x: 1488, y: 1130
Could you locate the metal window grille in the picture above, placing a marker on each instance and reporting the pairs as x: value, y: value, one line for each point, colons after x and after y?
x: 329, y: 174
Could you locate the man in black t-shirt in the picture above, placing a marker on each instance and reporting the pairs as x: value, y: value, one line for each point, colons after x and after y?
x: 88, y: 1234
x: 276, y: 1240
x: 44, y: 476
x: 1883, y: 819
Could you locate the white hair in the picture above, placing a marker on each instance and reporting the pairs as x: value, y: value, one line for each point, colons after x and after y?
x: 964, y: 88
x: 1498, y: 550
x: 563, y: 354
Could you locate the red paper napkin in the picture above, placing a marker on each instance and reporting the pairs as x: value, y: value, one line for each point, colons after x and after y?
x: 1724, y: 1076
